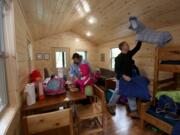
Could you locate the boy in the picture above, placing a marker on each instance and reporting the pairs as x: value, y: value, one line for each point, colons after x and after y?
x: 123, y: 69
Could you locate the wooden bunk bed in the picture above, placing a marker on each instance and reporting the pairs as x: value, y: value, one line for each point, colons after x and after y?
x: 167, y: 60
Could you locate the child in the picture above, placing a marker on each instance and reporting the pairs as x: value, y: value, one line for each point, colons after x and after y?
x: 123, y: 69
x: 86, y: 77
x: 86, y: 82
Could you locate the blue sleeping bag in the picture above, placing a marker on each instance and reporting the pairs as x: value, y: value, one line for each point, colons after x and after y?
x: 137, y: 87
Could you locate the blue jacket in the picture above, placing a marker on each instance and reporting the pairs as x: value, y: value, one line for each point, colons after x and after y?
x: 74, y: 71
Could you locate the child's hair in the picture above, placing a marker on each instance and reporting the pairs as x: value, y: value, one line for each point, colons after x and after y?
x: 52, y: 76
x: 75, y: 55
x: 121, y: 45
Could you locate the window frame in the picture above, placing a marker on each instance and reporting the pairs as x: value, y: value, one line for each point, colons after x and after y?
x: 113, y: 58
x: 3, y: 91
x: 84, y: 51
x: 64, y: 58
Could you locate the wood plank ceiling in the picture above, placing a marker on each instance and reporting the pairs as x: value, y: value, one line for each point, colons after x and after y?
x: 49, y: 17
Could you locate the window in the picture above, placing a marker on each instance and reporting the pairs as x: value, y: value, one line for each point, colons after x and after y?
x: 3, y: 87
x: 114, y: 53
x: 83, y: 54
x: 61, y: 59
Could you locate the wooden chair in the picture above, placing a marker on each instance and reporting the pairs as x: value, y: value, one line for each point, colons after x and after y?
x: 94, y: 111
x: 47, y: 121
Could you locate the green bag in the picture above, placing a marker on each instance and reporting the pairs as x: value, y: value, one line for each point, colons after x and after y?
x: 89, y: 90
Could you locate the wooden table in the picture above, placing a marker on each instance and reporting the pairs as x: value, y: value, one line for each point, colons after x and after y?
x: 53, y: 102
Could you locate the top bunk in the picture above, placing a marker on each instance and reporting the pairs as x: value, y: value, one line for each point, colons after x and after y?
x: 168, y: 59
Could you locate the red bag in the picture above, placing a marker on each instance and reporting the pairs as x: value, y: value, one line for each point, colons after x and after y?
x: 35, y: 75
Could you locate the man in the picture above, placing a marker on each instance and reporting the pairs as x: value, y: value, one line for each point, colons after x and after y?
x: 74, y: 69
x: 123, y: 69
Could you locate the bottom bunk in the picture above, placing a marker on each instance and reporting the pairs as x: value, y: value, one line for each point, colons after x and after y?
x: 151, y: 119
x: 165, y: 114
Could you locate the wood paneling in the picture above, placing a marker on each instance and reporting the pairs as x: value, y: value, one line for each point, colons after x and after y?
x: 67, y: 40
x: 22, y: 36
x: 17, y: 66
x: 144, y: 58
x: 47, y: 17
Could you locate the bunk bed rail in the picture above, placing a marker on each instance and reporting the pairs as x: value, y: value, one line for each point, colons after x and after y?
x: 171, y: 55
x: 169, y: 59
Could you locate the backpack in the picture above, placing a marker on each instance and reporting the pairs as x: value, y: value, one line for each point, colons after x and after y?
x: 55, y: 86
x: 166, y: 104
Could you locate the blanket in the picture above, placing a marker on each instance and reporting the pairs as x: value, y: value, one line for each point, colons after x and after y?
x: 148, y: 35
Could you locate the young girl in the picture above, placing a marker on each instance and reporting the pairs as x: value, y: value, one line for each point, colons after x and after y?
x: 85, y: 83
x: 86, y: 77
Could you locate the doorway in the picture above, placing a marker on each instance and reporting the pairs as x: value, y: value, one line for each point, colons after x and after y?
x: 61, y: 60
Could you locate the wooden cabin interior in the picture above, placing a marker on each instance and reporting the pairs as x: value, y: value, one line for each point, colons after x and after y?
x: 44, y: 34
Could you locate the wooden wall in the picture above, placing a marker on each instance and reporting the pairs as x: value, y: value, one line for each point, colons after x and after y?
x: 20, y: 67
x: 67, y: 40
x: 145, y: 57
x: 22, y: 36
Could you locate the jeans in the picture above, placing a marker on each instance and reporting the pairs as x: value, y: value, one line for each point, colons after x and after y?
x: 131, y: 100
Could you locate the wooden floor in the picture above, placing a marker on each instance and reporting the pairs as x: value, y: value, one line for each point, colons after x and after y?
x: 120, y: 124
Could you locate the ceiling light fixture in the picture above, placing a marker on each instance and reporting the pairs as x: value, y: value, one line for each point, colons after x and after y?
x: 77, y: 39
x: 88, y: 34
x: 91, y: 20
